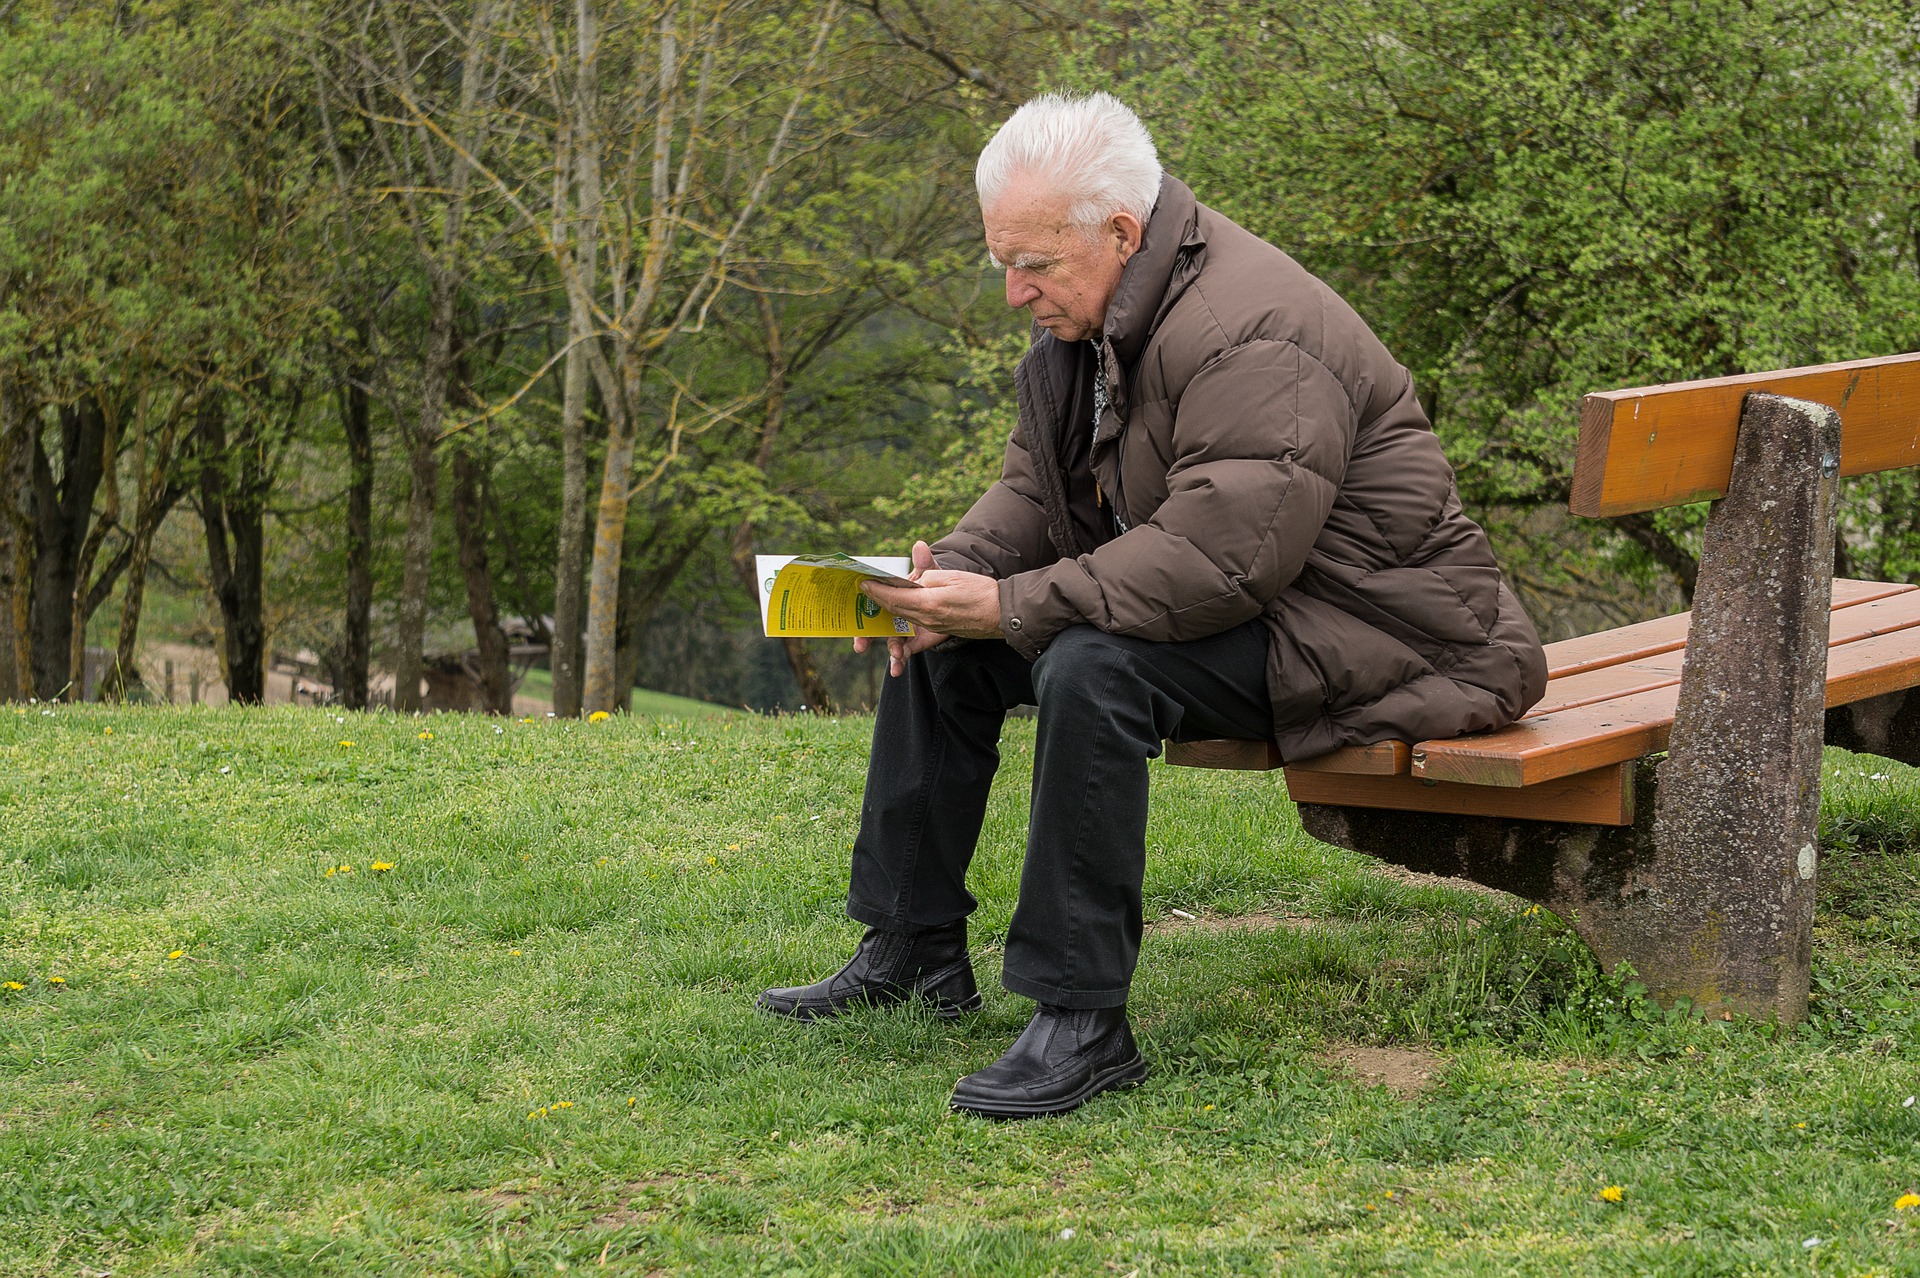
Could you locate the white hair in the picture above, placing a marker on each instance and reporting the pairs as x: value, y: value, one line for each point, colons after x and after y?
x: 1091, y: 149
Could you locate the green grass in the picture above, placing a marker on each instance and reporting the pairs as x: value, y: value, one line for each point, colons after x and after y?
x: 539, y: 683
x: 363, y: 1073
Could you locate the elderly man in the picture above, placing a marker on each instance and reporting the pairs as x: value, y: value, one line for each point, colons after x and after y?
x: 1223, y: 514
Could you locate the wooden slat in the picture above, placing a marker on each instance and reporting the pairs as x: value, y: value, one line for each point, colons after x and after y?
x: 1657, y: 446
x: 1603, y: 796
x: 1592, y: 671
x: 1872, y: 667
x: 1247, y: 756
x: 1608, y: 682
x: 1387, y: 759
x: 1874, y: 647
x: 1665, y: 634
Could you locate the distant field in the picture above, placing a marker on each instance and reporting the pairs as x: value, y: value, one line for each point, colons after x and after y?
x: 527, y: 1043
x: 539, y: 683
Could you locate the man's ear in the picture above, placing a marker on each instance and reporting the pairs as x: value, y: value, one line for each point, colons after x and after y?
x: 1127, y: 234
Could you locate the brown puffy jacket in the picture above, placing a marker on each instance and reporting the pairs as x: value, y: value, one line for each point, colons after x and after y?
x: 1265, y: 456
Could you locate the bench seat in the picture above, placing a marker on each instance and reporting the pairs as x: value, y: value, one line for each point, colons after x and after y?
x: 1610, y: 700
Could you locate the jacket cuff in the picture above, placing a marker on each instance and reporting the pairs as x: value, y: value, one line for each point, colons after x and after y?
x: 1022, y: 634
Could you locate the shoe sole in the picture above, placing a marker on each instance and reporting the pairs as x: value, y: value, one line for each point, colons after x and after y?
x: 945, y: 1011
x: 1126, y: 1074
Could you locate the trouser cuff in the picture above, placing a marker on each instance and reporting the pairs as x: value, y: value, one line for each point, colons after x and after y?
x: 886, y: 921
x: 1060, y: 996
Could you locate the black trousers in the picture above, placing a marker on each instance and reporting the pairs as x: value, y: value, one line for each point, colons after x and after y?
x: 1106, y: 702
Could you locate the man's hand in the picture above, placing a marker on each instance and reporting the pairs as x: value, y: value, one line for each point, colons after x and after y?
x: 946, y: 603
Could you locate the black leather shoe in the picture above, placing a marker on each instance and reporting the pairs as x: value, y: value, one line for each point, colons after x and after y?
x: 890, y: 967
x: 1066, y: 1057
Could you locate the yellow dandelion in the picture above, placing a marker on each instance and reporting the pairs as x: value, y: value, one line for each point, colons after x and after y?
x: 381, y: 867
x: 733, y: 847
x: 1612, y: 1194
x: 632, y: 1100
x: 1906, y: 1202
x: 712, y: 861
x: 1206, y: 1109
x: 346, y: 869
x: 526, y: 721
x: 597, y: 716
x: 515, y: 953
x: 331, y: 872
x: 177, y: 954
x: 56, y: 980
x: 15, y: 985
x: 426, y: 736
x: 346, y: 745
x: 1800, y: 1127
x: 109, y: 731
x: 601, y: 861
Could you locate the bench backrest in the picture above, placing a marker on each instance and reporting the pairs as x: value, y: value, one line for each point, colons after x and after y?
x: 1658, y: 446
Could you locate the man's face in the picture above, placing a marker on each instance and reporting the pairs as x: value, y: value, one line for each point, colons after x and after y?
x: 1057, y: 272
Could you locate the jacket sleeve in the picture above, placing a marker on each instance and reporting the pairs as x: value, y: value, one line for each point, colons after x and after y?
x: 1260, y: 444
x: 1005, y: 532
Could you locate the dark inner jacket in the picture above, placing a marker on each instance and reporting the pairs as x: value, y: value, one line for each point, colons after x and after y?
x: 1267, y: 458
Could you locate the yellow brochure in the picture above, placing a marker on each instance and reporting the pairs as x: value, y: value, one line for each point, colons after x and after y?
x: 818, y: 596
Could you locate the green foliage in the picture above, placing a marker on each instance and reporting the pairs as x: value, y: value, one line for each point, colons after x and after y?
x: 364, y: 1072
x: 975, y: 423
x: 1533, y: 202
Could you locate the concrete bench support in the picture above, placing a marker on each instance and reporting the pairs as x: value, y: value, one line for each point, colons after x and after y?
x: 1709, y: 893
x: 1737, y: 817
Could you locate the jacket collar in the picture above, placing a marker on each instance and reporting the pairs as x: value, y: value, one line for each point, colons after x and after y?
x: 1153, y: 276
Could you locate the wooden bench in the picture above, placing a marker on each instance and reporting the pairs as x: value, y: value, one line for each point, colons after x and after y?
x: 1697, y: 868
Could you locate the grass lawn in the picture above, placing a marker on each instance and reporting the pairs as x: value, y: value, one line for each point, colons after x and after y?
x: 528, y: 1045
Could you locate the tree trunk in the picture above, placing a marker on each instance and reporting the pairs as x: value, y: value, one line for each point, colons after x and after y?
x: 626, y: 633
x: 155, y: 493
x: 233, y: 507
x: 571, y: 555
x: 571, y: 560
x: 16, y: 546
x: 358, y: 641
x: 79, y: 611
x: 243, y: 605
x: 469, y: 522
x: 154, y: 509
x: 123, y: 672
x: 603, y: 599
x: 62, y: 512
x: 417, y: 550
x: 813, y: 688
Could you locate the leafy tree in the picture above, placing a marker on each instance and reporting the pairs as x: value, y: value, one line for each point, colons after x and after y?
x: 1532, y: 202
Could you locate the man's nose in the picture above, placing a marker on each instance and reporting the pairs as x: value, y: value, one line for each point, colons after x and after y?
x: 1020, y: 291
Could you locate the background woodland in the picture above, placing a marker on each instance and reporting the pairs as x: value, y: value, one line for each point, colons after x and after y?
x: 362, y: 340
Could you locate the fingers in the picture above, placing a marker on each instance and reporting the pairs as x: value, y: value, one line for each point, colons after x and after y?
x: 860, y: 643
x: 896, y: 657
x: 922, y: 560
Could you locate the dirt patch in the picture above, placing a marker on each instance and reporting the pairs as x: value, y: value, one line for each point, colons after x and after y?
x: 1404, y: 1071
x: 1259, y: 921
x: 505, y: 1198
x: 1400, y: 874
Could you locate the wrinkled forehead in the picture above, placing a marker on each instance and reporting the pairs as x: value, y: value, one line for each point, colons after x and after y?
x: 1029, y: 221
